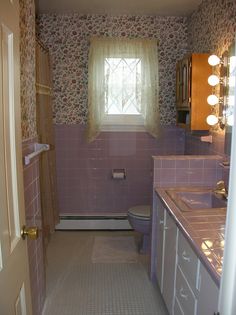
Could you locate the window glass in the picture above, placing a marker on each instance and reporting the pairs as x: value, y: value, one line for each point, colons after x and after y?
x: 122, y: 86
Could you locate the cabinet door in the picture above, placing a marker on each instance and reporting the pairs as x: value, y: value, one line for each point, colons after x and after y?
x: 186, y: 82
x: 184, y: 295
x: 179, y: 84
x: 188, y: 261
x: 177, y: 308
x: 160, y: 226
x: 208, y: 294
x: 169, y: 261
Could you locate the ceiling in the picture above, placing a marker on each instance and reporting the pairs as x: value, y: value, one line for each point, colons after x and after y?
x: 135, y: 7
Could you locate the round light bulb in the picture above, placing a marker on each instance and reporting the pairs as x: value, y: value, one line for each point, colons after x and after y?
x: 212, y: 120
x: 230, y: 120
x: 212, y: 100
x: 213, y: 80
x: 213, y: 60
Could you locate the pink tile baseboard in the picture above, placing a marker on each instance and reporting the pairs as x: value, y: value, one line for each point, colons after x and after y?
x: 84, y: 170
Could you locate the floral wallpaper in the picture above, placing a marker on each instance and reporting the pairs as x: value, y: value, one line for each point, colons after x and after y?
x: 67, y: 37
x: 212, y: 27
x: 27, y: 59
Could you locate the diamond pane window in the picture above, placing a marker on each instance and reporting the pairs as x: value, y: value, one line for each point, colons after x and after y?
x: 122, y: 86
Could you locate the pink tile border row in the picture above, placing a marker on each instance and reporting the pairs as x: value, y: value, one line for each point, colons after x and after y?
x: 185, y: 170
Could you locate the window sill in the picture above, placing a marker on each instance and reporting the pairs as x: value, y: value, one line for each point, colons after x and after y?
x: 119, y: 123
x: 123, y: 128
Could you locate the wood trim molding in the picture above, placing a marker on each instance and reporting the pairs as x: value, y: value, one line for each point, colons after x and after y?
x: 42, y: 45
x: 43, y: 89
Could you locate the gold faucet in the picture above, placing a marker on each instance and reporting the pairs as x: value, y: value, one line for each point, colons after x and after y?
x: 221, y: 189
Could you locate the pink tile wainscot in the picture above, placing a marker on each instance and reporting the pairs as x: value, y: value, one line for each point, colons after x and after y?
x: 84, y: 181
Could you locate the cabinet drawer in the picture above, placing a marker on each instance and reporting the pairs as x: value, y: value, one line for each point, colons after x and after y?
x: 177, y: 308
x: 188, y: 261
x: 184, y: 294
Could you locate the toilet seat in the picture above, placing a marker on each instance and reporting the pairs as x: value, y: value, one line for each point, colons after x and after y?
x: 140, y: 212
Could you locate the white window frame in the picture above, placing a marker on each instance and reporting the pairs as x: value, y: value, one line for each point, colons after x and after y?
x: 122, y: 122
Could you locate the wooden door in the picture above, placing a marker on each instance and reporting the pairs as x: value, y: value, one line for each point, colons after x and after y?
x: 46, y: 135
x: 200, y: 90
x: 14, y: 273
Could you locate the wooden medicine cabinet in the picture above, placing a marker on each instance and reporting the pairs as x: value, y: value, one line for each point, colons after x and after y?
x: 192, y: 90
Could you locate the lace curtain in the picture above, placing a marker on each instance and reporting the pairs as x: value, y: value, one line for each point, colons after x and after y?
x: 107, y: 86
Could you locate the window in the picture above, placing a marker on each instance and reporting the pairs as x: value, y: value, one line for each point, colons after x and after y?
x: 123, y: 85
x: 122, y: 89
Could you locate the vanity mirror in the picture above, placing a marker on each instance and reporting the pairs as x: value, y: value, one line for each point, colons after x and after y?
x: 230, y: 96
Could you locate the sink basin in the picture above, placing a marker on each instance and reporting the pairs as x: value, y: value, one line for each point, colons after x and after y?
x: 199, y: 200
x: 196, y: 199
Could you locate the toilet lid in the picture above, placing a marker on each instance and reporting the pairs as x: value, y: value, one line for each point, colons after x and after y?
x: 143, y: 211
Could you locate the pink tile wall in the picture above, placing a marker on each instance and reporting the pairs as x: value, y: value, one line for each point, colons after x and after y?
x: 172, y: 171
x: 84, y: 182
x: 194, y: 145
x: 33, y: 217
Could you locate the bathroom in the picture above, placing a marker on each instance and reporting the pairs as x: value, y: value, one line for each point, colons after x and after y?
x: 87, y: 195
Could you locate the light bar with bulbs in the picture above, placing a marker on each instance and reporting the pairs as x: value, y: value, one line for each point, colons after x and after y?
x: 213, y: 99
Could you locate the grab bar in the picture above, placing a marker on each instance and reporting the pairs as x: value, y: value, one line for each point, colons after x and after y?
x: 38, y: 148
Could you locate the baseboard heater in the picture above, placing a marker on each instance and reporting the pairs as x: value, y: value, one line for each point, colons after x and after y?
x: 111, y: 222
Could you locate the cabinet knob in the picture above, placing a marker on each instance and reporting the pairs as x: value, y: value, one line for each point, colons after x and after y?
x: 182, y: 294
x: 185, y: 257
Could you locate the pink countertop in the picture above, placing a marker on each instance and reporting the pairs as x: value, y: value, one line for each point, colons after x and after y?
x: 203, y: 228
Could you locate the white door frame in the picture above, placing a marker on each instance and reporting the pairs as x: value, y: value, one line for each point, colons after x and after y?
x: 227, y: 301
x: 15, y: 297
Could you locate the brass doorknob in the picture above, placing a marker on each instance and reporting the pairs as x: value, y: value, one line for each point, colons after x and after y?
x: 32, y: 232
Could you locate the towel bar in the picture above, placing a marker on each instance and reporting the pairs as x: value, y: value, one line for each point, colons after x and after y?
x: 38, y: 148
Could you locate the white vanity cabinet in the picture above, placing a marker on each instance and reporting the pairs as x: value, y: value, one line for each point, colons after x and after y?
x: 186, y: 277
x: 166, y: 254
x: 159, y: 245
x: 208, y: 294
x: 185, y: 284
x: 169, y: 261
x: 195, y: 291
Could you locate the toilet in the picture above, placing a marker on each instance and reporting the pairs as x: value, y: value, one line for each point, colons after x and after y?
x: 139, y: 218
